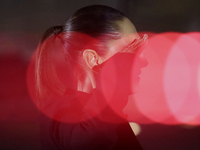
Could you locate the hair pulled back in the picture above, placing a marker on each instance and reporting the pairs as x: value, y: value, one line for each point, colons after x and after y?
x: 89, y: 27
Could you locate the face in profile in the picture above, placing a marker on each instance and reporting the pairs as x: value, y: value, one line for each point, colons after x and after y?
x: 130, y: 43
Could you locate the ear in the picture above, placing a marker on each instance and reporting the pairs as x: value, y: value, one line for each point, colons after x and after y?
x: 91, y: 58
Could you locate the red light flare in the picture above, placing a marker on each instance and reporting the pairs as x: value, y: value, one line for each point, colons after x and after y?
x: 185, y: 102
x: 62, y: 72
x: 169, y: 86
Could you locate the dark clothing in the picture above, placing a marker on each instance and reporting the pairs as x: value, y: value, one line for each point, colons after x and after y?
x: 81, y: 121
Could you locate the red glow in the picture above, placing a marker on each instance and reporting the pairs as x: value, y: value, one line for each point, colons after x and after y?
x: 188, y: 79
x: 151, y: 99
x: 170, y: 83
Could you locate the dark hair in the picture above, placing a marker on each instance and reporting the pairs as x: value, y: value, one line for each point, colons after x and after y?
x: 89, y: 27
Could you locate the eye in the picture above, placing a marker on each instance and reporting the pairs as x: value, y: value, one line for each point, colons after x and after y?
x: 137, y: 45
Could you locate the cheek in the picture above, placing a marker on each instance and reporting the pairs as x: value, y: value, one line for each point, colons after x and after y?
x: 116, y: 46
x: 110, y: 53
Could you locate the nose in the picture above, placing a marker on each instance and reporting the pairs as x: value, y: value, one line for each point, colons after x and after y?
x: 143, y: 61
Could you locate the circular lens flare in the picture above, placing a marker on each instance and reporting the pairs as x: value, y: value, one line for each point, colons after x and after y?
x: 170, y: 84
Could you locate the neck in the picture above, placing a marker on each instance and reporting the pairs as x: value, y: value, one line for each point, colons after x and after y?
x: 88, y: 84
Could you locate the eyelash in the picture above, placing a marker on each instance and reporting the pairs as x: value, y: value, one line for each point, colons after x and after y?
x: 135, y: 44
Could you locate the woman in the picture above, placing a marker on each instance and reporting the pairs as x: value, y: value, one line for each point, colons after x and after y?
x: 101, y: 47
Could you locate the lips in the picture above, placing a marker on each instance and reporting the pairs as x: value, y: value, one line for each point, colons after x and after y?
x: 137, y: 74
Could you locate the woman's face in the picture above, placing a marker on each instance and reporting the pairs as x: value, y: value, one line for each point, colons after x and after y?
x: 126, y: 45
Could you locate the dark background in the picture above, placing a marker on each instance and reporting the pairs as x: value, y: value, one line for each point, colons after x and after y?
x: 22, y: 23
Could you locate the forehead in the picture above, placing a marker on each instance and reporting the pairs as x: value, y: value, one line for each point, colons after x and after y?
x: 127, y: 27
x: 128, y: 34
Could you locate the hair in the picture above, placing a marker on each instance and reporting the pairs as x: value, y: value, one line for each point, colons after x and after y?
x: 89, y: 27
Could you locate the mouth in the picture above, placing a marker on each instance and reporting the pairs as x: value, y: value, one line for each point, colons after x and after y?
x: 137, y: 77
x: 139, y: 73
